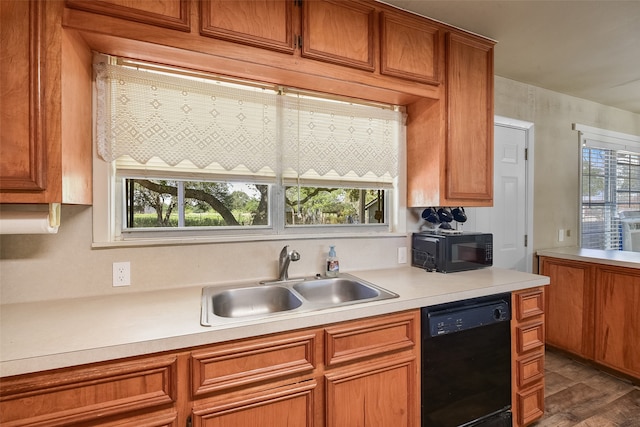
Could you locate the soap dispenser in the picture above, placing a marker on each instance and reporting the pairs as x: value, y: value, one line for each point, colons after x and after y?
x: 333, y: 265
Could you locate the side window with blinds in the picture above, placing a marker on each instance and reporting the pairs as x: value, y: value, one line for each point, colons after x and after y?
x: 610, y: 192
x: 195, y: 154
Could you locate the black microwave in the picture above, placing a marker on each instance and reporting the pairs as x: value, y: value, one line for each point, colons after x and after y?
x: 448, y: 253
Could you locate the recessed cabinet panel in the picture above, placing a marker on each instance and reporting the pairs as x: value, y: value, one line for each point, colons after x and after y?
x: 409, y: 48
x: 262, y: 23
x: 23, y: 150
x: 174, y: 14
x: 339, y: 32
x: 469, y: 144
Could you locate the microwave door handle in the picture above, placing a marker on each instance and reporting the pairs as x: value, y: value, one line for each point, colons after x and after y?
x: 430, y: 262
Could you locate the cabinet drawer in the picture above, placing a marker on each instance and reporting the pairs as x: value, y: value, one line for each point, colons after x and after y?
x: 529, y: 370
x: 530, y: 404
x: 529, y: 304
x: 529, y: 336
x: 356, y: 340
x: 241, y: 364
x: 81, y: 395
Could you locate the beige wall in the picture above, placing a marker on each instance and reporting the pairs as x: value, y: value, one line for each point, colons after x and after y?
x: 556, y: 160
x: 44, y: 267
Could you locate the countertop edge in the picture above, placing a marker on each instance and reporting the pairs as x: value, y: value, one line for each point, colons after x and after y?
x: 596, y: 256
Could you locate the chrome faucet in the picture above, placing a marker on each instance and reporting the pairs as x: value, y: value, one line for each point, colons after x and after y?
x: 283, y: 263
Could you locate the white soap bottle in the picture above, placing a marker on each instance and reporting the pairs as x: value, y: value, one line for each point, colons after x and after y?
x: 333, y: 265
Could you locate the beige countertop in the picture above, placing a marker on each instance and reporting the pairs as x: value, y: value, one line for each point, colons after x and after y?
x: 616, y: 258
x: 53, y: 334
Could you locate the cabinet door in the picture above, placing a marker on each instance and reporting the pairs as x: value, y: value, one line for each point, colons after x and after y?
x: 23, y: 150
x: 339, y: 32
x: 375, y: 394
x: 469, y: 143
x: 569, y: 299
x: 262, y: 23
x: 409, y: 47
x: 618, y: 319
x: 288, y: 406
x: 174, y: 14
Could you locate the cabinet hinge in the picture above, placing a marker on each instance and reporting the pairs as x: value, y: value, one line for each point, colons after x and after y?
x: 526, y: 240
x: 526, y: 154
x: 189, y: 421
x: 298, y: 42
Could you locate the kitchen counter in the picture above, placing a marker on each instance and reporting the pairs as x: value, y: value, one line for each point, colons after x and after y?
x: 54, y: 334
x: 610, y: 257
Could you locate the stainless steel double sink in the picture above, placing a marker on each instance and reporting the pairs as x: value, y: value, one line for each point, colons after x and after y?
x: 221, y: 305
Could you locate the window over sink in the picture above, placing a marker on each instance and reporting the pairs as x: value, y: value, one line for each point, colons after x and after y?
x: 182, y: 154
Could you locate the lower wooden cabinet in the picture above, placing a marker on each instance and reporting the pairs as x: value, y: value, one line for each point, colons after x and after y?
x: 592, y: 312
x: 362, y: 372
x: 527, y: 342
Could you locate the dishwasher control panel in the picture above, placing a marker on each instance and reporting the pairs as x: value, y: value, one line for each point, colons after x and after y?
x: 467, y: 316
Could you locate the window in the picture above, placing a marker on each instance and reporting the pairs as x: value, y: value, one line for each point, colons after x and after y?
x: 610, y: 191
x: 190, y: 155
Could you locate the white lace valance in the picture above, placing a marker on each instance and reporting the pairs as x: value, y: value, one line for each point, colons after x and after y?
x: 144, y: 114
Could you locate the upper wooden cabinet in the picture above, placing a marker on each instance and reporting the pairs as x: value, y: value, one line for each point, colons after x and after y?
x: 450, y: 141
x: 174, y: 14
x: 267, y: 24
x: 339, y: 32
x: 409, y: 47
x: 45, y: 107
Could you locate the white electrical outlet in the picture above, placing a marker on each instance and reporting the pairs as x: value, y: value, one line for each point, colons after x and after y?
x: 561, y: 235
x: 121, y: 273
x: 402, y: 255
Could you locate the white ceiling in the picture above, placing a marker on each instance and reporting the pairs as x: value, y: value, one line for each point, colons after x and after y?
x: 587, y: 49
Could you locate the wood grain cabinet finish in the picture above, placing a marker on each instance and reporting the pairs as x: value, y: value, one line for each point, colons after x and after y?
x: 339, y: 32
x: 593, y: 312
x: 45, y: 152
x: 172, y: 14
x: 410, y: 47
x: 267, y: 24
x: 527, y: 349
x: 469, y: 132
x: 93, y: 394
x: 617, y: 314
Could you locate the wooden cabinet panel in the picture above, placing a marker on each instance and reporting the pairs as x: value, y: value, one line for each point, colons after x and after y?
x: 23, y: 149
x: 409, y: 47
x: 618, y: 319
x: 529, y: 405
x: 357, y: 340
x: 266, y: 23
x: 469, y: 142
x: 86, y: 394
x: 249, y: 362
x: 378, y: 394
x: 288, y: 406
x: 569, y: 305
x: 339, y: 32
x: 527, y: 359
x: 173, y: 14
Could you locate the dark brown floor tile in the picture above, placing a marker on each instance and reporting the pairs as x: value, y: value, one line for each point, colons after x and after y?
x: 554, y: 361
x: 597, y: 421
x: 572, y: 400
x: 576, y: 371
x: 555, y: 382
x: 556, y: 420
x: 625, y: 411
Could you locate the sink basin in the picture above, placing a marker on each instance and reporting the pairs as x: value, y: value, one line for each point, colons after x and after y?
x: 253, y: 301
x: 335, y: 290
x: 223, y: 305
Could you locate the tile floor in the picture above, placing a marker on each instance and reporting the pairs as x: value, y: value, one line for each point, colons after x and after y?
x: 579, y: 395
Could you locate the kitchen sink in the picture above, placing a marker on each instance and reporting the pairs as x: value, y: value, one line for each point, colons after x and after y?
x: 335, y: 290
x: 253, y: 301
x: 221, y: 305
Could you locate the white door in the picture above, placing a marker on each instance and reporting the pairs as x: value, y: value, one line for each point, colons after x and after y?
x: 509, y: 217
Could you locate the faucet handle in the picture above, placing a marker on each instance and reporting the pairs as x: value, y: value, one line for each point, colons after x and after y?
x: 284, y: 251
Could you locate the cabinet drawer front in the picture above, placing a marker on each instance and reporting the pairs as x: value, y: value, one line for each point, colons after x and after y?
x: 235, y: 365
x: 530, y: 404
x: 288, y: 406
x: 530, y: 370
x: 529, y: 336
x: 529, y: 304
x: 370, y: 337
x: 81, y: 395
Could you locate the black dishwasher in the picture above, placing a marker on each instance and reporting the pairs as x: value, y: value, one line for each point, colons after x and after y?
x: 466, y: 363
